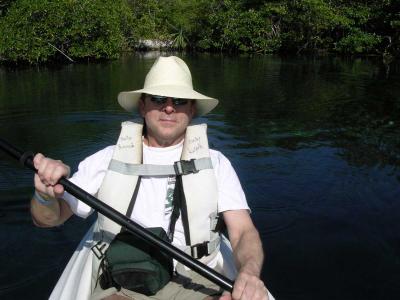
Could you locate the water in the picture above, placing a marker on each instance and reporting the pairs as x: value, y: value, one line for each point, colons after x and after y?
x: 315, y: 142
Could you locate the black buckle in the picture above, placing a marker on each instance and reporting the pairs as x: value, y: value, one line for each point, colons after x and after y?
x: 199, y: 250
x: 184, y: 167
x: 98, y: 249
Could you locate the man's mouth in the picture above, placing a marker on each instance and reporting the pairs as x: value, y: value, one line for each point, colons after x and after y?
x: 167, y: 120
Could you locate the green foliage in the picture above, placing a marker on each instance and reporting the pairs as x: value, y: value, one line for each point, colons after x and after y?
x: 39, y: 30
x: 4, y: 4
x: 358, y: 42
x: 309, y: 24
x: 230, y: 27
x: 179, y: 40
x: 146, y: 16
x: 80, y: 29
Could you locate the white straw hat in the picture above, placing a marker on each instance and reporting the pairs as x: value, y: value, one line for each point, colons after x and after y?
x: 169, y: 77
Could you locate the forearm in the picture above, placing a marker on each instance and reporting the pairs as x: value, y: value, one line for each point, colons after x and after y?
x: 248, y: 252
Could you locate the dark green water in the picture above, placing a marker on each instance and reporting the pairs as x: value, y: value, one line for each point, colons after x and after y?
x: 315, y: 142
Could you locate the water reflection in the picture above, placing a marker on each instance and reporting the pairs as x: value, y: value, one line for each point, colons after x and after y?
x: 311, y: 103
x: 314, y: 141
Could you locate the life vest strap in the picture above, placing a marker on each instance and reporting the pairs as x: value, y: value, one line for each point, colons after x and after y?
x: 204, y: 249
x: 99, y: 249
x: 182, y: 167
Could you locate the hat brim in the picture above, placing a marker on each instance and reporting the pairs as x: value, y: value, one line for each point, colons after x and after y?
x: 130, y: 100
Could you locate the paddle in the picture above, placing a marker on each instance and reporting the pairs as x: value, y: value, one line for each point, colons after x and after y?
x: 26, y: 159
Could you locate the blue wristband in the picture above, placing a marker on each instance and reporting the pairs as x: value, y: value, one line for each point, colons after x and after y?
x: 42, y: 200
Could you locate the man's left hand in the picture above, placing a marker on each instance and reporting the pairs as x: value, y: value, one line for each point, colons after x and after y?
x: 248, y: 287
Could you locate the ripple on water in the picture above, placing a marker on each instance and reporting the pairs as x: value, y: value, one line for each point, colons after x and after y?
x: 274, y: 220
x: 14, y: 114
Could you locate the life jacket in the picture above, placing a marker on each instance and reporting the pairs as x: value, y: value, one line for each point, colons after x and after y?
x: 199, y: 186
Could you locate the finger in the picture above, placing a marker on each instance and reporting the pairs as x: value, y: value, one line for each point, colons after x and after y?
x: 43, y: 188
x: 67, y: 169
x: 248, y: 292
x: 255, y: 288
x: 39, y: 185
x: 50, y: 172
x: 226, y: 296
x: 37, y: 159
x: 238, y: 288
x: 58, y: 190
x: 58, y: 170
x: 260, y: 293
x: 42, y: 168
x: 49, y: 191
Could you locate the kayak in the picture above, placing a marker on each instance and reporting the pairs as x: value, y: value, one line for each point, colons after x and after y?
x: 75, y: 281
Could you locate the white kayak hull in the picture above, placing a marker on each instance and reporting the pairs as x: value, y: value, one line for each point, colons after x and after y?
x: 75, y: 281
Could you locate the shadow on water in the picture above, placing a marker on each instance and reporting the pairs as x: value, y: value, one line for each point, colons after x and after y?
x: 315, y: 142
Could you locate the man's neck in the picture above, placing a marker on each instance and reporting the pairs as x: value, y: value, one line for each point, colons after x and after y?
x: 157, y: 143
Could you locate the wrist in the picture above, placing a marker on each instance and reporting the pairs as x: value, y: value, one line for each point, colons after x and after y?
x: 251, y: 268
x: 43, y: 199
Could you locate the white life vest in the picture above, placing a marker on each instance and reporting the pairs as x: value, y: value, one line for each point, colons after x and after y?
x: 198, y: 180
x: 201, y: 196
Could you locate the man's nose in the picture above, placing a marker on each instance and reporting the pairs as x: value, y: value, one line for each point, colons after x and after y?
x: 169, y: 106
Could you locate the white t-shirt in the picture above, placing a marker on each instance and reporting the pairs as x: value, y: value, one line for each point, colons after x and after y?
x: 153, y: 203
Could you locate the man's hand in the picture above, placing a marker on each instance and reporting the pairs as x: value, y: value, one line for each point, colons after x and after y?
x: 49, y: 173
x: 53, y: 212
x: 249, y: 286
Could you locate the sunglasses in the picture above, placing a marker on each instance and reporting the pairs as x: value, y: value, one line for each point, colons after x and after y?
x: 159, y: 100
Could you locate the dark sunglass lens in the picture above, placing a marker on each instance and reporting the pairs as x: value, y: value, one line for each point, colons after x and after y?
x: 158, y: 99
x: 162, y: 100
x: 178, y: 101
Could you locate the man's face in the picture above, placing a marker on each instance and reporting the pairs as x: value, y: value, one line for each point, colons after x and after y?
x: 166, y: 122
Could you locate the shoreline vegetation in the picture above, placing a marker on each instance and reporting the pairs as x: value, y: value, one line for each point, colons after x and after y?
x: 42, y: 31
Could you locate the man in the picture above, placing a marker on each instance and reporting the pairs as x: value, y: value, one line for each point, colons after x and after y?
x: 167, y: 104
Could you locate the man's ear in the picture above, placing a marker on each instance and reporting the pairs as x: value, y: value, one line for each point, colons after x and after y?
x: 141, y: 106
x: 194, y: 108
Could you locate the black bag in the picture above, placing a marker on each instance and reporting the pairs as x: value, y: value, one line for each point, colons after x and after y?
x: 135, y: 265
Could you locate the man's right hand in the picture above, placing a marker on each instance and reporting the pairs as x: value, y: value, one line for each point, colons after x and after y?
x: 49, y: 173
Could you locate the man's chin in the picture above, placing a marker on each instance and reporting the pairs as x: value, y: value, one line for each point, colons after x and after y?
x: 169, y: 138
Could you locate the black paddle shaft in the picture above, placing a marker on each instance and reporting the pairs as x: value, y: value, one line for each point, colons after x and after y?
x: 26, y: 159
